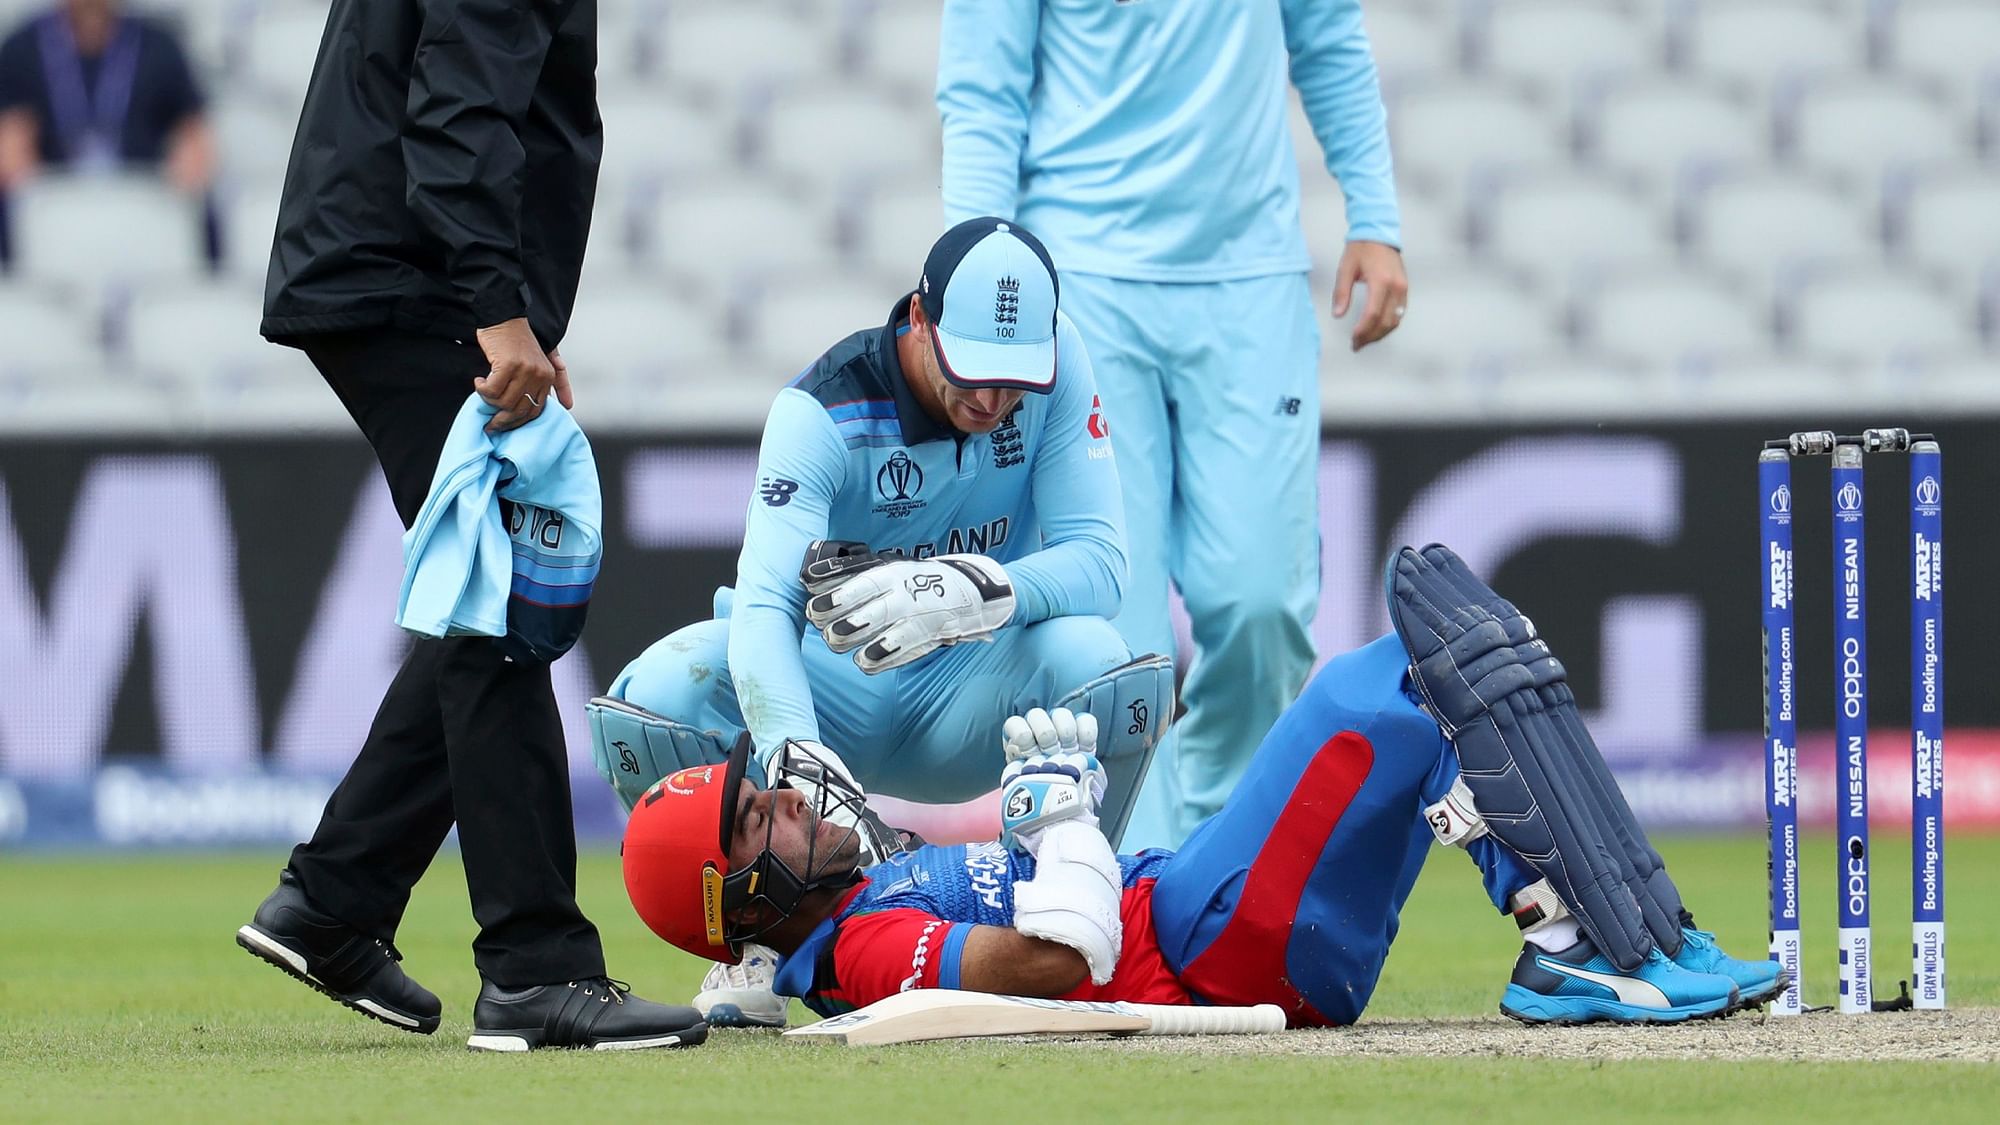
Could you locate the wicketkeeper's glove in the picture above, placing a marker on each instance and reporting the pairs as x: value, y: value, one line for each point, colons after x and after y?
x: 890, y: 611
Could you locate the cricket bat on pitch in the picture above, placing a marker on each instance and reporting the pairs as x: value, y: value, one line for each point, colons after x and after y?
x: 942, y: 1013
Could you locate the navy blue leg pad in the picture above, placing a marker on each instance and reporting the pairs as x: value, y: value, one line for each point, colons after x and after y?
x: 1488, y: 696
x: 1644, y: 871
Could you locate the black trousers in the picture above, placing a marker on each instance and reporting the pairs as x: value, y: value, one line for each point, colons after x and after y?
x: 463, y: 734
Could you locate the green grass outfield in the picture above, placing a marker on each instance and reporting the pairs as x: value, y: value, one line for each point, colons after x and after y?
x: 123, y: 996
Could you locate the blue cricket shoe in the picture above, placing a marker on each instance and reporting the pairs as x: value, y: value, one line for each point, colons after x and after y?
x: 1756, y: 981
x: 1581, y: 985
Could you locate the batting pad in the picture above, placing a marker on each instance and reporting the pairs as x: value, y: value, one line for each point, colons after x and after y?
x: 1486, y: 695
x: 1643, y: 869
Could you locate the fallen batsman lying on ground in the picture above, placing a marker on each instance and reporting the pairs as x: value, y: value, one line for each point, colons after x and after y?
x: 1459, y: 725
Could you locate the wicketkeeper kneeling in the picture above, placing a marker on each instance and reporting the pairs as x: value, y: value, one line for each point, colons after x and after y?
x: 1458, y: 725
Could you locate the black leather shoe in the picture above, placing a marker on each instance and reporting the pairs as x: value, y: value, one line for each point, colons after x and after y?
x: 600, y: 1014
x: 338, y: 960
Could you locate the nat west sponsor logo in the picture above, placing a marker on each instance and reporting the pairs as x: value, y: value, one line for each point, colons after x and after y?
x: 980, y: 539
x: 898, y: 482
x: 1926, y: 562
x: 1781, y: 577
x: 986, y: 866
x: 1099, y: 431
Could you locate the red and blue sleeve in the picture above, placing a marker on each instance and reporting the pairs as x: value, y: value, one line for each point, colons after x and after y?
x: 879, y: 954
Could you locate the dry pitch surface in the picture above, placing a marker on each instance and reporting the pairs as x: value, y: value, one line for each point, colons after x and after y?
x: 1968, y: 1035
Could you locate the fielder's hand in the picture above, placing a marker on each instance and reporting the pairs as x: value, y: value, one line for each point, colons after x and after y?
x: 1052, y: 775
x: 889, y: 612
x: 1378, y: 267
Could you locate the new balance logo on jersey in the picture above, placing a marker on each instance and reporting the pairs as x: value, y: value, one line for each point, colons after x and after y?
x: 776, y: 492
x: 1288, y: 405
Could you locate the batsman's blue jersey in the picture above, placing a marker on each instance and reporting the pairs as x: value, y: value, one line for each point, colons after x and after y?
x: 1147, y: 140
x: 912, y: 916
x: 848, y: 453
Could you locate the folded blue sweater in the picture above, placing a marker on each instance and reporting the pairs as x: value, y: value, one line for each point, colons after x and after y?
x: 509, y: 539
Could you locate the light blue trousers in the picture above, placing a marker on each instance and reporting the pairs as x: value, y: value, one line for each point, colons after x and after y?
x: 1212, y: 395
x: 928, y: 731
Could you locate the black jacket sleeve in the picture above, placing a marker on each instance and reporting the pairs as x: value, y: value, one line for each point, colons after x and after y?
x: 472, y: 81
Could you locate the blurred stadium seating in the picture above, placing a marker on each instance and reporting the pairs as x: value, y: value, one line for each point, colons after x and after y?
x: 1610, y: 206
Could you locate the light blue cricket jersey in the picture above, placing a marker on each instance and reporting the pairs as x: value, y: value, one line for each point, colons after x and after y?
x: 848, y: 453
x: 1146, y: 140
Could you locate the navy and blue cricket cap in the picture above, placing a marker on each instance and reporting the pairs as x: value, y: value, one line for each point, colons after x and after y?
x: 989, y: 289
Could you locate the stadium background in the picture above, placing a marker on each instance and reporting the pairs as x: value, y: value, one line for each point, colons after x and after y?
x: 1641, y: 237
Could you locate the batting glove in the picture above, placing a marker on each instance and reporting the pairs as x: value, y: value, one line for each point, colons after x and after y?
x: 1052, y: 775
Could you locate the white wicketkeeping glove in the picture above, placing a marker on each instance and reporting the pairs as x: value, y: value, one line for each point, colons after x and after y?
x: 1052, y: 775
x: 896, y: 610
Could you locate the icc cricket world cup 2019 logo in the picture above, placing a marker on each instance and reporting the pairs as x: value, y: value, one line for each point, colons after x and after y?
x: 898, y: 483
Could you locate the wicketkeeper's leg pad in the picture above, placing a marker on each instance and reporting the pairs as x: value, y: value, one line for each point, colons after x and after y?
x: 633, y: 747
x: 1133, y: 703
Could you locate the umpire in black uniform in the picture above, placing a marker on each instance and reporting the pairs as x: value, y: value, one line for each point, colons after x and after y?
x: 428, y: 245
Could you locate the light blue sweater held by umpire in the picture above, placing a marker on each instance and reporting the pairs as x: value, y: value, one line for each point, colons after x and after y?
x: 524, y: 575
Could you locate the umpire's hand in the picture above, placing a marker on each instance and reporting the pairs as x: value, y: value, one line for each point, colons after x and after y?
x: 1378, y: 267
x: 521, y: 377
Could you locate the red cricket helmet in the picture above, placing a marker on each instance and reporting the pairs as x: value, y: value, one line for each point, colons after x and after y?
x: 676, y: 855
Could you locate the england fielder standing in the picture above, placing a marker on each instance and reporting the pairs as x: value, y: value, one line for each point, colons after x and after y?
x: 945, y: 477
x: 1146, y: 141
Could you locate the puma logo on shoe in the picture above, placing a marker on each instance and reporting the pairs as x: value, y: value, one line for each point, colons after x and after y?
x: 1637, y: 993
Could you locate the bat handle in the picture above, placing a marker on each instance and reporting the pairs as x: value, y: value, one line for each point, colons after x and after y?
x: 1176, y: 1019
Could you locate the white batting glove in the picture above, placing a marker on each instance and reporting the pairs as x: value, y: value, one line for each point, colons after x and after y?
x: 898, y: 610
x: 1052, y: 775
